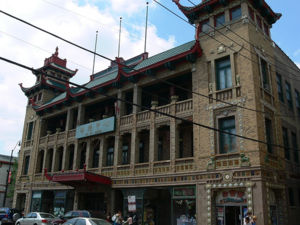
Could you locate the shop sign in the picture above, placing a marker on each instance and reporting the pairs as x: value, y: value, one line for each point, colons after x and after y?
x: 231, y: 196
x: 131, y: 203
x: 184, y: 191
x: 97, y: 127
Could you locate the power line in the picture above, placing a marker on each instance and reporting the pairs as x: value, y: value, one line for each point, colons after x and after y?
x: 251, y: 44
x: 145, y: 107
x: 169, y: 83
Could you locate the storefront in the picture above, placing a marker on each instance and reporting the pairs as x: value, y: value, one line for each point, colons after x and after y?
x: 161, y: 205
x: 53, y: 201
x: 231, y: 207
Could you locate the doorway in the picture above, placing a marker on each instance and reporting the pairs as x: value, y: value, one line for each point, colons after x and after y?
x: 231, y: 215
x: 157, y: 207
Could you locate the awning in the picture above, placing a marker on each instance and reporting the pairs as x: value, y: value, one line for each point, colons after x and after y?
x: 78, y: 178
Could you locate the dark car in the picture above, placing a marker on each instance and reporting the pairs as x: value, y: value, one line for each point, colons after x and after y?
x: 9, y: 216
x: 72, y: 214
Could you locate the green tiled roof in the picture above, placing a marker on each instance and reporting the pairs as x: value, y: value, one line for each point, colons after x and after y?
x: 55, y: 83
x: 101, y: 80
x: 56, y: 98
x: 165, y: 55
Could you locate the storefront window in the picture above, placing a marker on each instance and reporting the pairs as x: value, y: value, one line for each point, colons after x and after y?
x: 184, y: 206
x: 36, y: 201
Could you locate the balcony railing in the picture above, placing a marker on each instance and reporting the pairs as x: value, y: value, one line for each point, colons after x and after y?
x: 126, y: 120
x: 143, y: 116
x: 183, y: 106
x: 161, y: 167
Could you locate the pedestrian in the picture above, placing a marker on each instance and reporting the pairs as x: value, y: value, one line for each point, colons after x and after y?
x: 129, y: 220
x: 254, y: 218
x: 108, y: 218
x: 117, y: 218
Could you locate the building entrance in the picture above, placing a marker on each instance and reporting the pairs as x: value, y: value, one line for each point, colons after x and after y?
x: 93, y: 202
x: 157, y: 207
x: 230, y: 207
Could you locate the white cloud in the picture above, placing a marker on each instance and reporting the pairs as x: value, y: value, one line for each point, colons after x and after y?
x: 74, y: 22
x: 298, y: 64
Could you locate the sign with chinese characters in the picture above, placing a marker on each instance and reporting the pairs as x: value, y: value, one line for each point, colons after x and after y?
x: 131, y: 203
x: 230, y: 197
x: 97, y: 127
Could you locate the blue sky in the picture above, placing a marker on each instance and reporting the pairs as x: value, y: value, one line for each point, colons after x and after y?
x: 77, y: 21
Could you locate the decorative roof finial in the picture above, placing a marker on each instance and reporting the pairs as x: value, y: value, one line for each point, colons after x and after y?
x: 56, y: 51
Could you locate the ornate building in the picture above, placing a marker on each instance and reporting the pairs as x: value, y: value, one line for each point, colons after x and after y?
x: 84, y: 150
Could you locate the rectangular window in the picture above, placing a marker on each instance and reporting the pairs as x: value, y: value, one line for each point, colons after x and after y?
x: 288, y: 95
x: 258, y: 21
x: 26, y: 164
x: 291, y: 197
x: 40, y: 97
x: 220, y: 20
x: 236, y: 13
x: 110, y: 156
x: 266, y: 29
x: 279, y: 87
x: 286, y: 143
x: 125, y: 154
x: 227, y: 141
x: 251, y: 13
x: 265, y: 74
x: 297, y: 98
x: 223, y: 73
x: 204, y: 26
x: 141, y: 152
x: 29, y: 131
x: 269, y: 136
x: 295, y: 147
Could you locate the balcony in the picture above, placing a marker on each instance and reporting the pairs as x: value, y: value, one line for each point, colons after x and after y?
x: 161, y: 167
x: 184, y: 164
x: 182, y: 109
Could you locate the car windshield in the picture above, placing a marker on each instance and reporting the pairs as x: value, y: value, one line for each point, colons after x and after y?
x: 85, y: 214
x: 98, y: 222
x: 46, y: 215
x: 3, y: 210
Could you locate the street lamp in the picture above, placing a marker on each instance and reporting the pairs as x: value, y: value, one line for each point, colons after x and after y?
x: 8, y: 172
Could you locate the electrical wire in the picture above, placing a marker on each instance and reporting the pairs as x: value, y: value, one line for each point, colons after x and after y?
x: 147, y: 108
x: 104, y: 57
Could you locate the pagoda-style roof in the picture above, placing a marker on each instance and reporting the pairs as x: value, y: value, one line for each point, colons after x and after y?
x: 44, y: 83
x: 208, y: 6
x: 122, y: 70
x: 57, y: 64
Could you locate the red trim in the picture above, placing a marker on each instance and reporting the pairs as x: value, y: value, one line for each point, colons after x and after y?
x: 5, y: 162
x: 195, y: 49
x: 78, y: 178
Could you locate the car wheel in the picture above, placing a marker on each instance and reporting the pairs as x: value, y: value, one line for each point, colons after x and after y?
x: 18, y: 224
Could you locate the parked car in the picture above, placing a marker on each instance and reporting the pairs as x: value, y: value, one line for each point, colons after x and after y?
x: 76, y: 213
x: 86, y: 221
x: 36, y: 218
x: 9, y: 216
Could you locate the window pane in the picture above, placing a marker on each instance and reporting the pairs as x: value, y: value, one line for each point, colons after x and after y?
x: 29, y: 132
x: 288, y: 94
x: 227, y: 141
x: 279, y: 87
x: 220, y: 20
x: 236, y: 13
x: 223, y: 73
x: 286, y: 143
x: 205, y: 26
x: 265, y: 72
x: 295, y: 147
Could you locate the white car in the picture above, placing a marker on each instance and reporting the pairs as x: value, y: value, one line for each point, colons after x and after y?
x: 86, y: 221
x: 36, y: 218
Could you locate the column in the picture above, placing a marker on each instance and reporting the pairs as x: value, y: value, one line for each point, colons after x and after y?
x: 137, y: 98
x: 75, y: 205
x: 101, y: 153
x: 259, y: 200
x: 87, y: 154
x: 81, y: 112
x: 75, y: 164
x: 173, y: 132
x: 69, y: 119
x: 133, y: 149
x: 201, y: 204
x: 153, y: 138
x: 53, y: 167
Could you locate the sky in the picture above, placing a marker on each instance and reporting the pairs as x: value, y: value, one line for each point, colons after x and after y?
x: 78, y: 22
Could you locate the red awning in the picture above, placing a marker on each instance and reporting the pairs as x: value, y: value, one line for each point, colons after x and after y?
x: 78, y: 178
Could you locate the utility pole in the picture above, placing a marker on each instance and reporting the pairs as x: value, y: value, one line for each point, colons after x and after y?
x: 8, y: 173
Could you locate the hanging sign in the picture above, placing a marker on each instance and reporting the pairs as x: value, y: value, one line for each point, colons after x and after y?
x: 231, y: 196
x: 131, y: 203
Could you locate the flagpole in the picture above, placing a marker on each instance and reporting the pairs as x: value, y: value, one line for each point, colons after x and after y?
x: 146, y: 28
x: 120, y: 36
x: 95, y: 51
